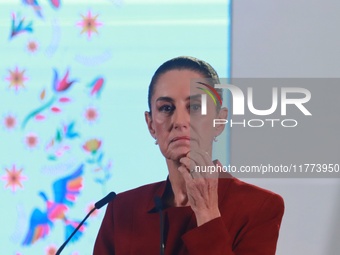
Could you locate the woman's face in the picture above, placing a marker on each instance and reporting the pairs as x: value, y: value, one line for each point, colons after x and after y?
x: 176, y: 121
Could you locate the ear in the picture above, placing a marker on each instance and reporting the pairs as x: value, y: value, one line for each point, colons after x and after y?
x: 149, y: 123
x: 223, y: 114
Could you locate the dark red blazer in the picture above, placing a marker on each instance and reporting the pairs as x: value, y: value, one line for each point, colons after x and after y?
x: 249, y: 223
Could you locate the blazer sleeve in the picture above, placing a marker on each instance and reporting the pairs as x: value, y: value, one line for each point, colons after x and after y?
x: 105, y: 239
x: 257, y: 237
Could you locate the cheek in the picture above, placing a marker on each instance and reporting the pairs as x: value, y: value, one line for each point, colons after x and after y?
x: 161, y: 123
x: 204, y: 120
x: 206, y: 124
x: 209, y: 118
x: 203, y: 126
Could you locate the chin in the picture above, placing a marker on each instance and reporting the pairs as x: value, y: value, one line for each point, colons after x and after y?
x: 177, y: 154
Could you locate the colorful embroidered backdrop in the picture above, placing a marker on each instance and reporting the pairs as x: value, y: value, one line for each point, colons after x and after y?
x: 74, y: 77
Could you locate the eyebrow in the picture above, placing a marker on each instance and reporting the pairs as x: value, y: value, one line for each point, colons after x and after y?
x: 169, y: 99
x: 197, y: 96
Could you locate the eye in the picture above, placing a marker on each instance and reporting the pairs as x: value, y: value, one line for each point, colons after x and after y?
x: 195, y: 107
x: 166, y: 108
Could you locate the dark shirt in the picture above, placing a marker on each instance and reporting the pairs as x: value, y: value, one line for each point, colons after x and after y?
x: 249, y: 223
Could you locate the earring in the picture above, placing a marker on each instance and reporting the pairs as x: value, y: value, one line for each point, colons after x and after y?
x: 215, y: 139
x: 156, y: 142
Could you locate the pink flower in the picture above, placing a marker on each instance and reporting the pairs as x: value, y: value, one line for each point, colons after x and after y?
x: 63, y: 84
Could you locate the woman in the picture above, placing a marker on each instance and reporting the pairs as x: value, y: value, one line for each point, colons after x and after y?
x: 191, y: 212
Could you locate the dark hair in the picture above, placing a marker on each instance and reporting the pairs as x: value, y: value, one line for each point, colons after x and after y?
x: 184, y: 63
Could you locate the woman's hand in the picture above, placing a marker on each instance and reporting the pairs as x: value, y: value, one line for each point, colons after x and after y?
x: 201, y: 186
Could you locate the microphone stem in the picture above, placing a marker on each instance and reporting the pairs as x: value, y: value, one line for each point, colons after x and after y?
x: 73, y: 233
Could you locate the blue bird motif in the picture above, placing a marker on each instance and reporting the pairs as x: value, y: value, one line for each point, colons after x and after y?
x: 65, y: 192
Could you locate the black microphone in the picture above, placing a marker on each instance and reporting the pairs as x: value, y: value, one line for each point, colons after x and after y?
x: 159, y: 206
x: 97, y: 205
x: 104, y: 200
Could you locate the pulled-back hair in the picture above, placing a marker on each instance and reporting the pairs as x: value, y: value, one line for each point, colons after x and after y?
x: 184, y: 63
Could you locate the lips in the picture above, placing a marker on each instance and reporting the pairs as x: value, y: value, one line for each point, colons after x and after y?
x: 180, y: 138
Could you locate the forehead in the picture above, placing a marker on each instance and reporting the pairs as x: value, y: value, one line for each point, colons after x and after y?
x: 176, y: 83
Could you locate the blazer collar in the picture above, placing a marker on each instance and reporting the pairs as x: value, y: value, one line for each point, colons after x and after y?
x: 160, y: 190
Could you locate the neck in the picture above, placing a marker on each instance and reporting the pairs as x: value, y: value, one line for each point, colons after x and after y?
x: 179, y: 196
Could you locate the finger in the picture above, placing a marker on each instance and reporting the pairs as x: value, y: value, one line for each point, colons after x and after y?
x: 188, y: 163
x: 203, y: 164
x: 187, y: 175
x: 191, y: 167
x: 200, y: 157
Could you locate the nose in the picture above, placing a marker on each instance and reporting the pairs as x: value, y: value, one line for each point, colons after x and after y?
x: 181, y: 118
